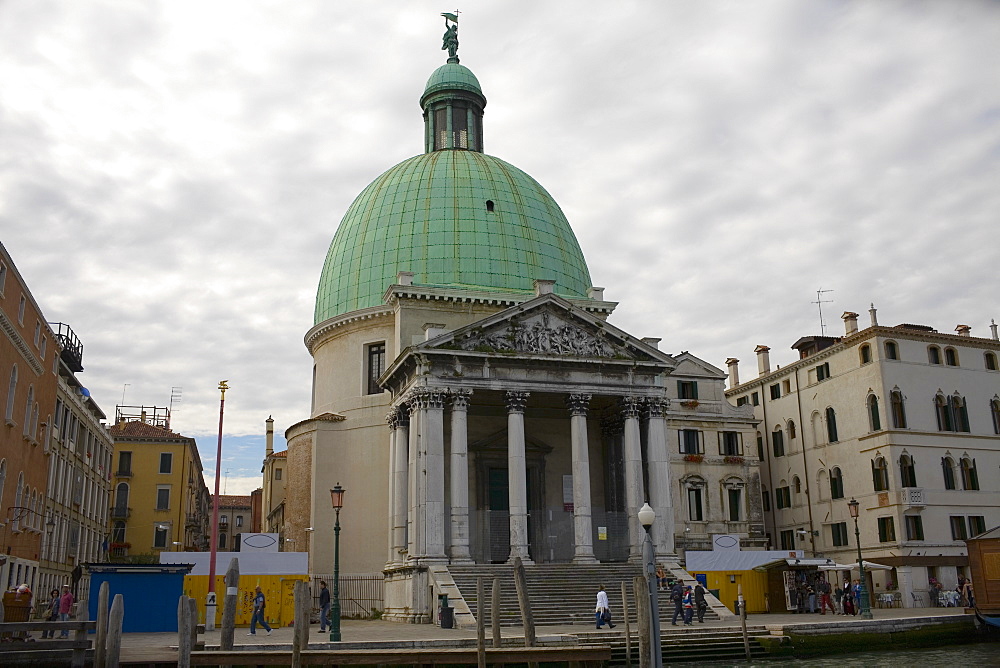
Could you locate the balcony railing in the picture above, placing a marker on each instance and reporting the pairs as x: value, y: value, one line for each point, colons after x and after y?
x: 120, y: 513
x: 913, y: 496
x: 124, y: 473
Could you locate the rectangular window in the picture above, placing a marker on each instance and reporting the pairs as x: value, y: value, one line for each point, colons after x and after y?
x: 742, y: 401
x: 124, y: 463
x: 38, y: 333
x: 375, y: 366
x: 778, y: 443
x: 775, y: 391
x: 277, y: 474
x: 163, y: 497
x: 3, y: 276
x: 886, y: 530
x: 958, y: 531
x: 788, y: 539
x: 838, y: 534
x: 44, y: 347
x: 755, y: 399
x: 786, y: 387
x: 690, y: 442
x: 166, y: 462
x: 822, y: 371
x: 783, y: 497
x: 735, y: 496
x: 977, y: 525
x: 687, y: 389
x: 239, y: 520
x: 760, y: 447
x: 765, y: 498
x: 730, y: 443
x: 695, y: 513
x: 20, y: 311
x: 914, y: 527
x: 160, y: 536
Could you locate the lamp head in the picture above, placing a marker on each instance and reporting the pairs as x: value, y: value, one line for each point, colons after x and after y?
x: 337, y: 496
x: 646, y: 515
x: 853, y: 506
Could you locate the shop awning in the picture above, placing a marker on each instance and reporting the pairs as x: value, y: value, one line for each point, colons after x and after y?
x: 869, y: 565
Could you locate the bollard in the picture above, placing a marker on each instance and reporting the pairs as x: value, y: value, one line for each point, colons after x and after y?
x: 184, y: 622
x: 229, y: 606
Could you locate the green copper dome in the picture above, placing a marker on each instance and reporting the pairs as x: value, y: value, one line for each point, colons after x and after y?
x: 455, y: 218
x: 452, y: 76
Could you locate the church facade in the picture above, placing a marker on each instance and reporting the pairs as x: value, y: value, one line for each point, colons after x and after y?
x: 471, y: 396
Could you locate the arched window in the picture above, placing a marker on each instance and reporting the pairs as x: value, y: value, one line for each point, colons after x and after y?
x: 791, y: 430
x: 820, y: 487
x: 933, y: 354
x: 880, y: 474
x: 898, y: 409
x: 3, y: 475
x: 891, y: 350
x: 778, y: 441
x: 797, y: 484
x: 990, y: 359
x: 816, y: 424
x: 959, y: 412
x: 11, y: 391
x: 943, y: 411
x: 836, y: 483
x: 27, y: 410
x: 222, y: 541
x: 948, y: 470
x: 951, y: 357
x: 33, y: 432
x: 874, y: 421
x: 865, y: 353
x: 970, y: 478
x: 995, y: 412
x: 907, y: 471
x: 695, y: 489
x: 121, y: 500
x: 831, y: 424
x: 18, y: 498
x: 733, y: 491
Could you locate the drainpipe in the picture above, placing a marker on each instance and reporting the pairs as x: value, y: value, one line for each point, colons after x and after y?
x: 767, y: 455
x: 805, y: 463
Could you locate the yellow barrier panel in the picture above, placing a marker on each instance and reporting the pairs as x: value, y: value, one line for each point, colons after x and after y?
x: 278, y: 590
x: 727, y: 582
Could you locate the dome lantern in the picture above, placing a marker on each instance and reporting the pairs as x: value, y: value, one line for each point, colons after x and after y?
x: 453, y: 101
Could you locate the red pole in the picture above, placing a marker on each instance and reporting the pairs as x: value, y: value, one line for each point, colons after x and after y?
x: 210, y: 599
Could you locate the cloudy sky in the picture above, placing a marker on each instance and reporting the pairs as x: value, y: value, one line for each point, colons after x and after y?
x: 172, y: 173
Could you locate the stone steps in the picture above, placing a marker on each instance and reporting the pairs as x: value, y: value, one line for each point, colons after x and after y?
x: 698, y: 644
x: 559, y: 593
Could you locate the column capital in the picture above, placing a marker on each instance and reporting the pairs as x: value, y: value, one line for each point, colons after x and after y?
x: 426, y: 398
x: 459, y: 398
x: 630, y: 407
x: 516, y: 401
x: 578, y: 404
x: 392, y: 418
x: 656, y: 407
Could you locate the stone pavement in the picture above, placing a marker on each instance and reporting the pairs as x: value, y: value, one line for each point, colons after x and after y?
x: 357, y: 634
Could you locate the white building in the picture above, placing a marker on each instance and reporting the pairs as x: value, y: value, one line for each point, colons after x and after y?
x: 906, y: 420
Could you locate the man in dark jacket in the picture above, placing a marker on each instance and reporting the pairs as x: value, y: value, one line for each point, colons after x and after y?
x: 677, y: 598
x: 324, y: 606
x: 700, y: 604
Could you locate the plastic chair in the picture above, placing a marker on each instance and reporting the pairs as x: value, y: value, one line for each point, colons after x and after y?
x: 917, y: 600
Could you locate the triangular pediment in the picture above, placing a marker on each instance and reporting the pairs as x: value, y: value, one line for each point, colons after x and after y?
x: 547, y: 326
x: 688, y: 364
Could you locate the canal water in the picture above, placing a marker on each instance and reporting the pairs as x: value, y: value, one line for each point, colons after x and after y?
x: 979, y: 654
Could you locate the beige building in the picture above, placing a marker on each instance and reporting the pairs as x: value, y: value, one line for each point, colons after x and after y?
x: 906, y: 420
x: 235, y: 512
x: 272, y: 496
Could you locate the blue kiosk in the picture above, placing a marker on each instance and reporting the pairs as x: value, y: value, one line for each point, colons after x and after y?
x: 150, y: 593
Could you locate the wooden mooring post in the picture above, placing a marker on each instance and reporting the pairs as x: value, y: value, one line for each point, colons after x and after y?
x: 114, y: 647
x: 640, y: 590
x: 480, y: 623
x: 743, y: 618
x: 628, y: 634
x: 300, y: 632
x: 495, y: 612
x: 101, y: 636
x: 184, y: 623
x: 226, y: 639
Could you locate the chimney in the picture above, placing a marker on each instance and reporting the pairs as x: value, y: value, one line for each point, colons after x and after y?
x: 734, y: 372
x: 142, y: 416
x: 871, y: 312
x: 269, y: 448
x: 596, y: 293
x: 963, y: 330
x: 763, y: 360
x: 652, y: 341
x: 544, y: 286
x: 404, y: 278
x: 993, y: 329
x: 850, y: 323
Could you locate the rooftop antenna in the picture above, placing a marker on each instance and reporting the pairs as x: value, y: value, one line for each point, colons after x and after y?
x: 124, y: 387
x: 225, y: 487
x: 819, y: 303
x: 175, y: 397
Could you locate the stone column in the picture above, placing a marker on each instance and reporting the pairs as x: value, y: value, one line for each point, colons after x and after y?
x: 583, y: 530
x: 391, y: 420
x: 635, y: 495
x: 905, y: 585
x: 459, y: 468
x: 413, y: 528
x: 517, y: 476
x: 431, y: 516
x: 400, y: 481
x: 658, y: 460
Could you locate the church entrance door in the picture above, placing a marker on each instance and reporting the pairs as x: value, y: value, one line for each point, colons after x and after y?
x: 498, y: 514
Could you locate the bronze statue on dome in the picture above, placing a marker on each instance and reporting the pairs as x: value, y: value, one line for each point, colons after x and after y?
x: 450, y: 39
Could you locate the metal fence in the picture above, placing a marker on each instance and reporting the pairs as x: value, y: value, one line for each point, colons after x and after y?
x: 360, y: 595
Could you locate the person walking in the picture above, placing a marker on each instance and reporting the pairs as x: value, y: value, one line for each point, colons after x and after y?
x: 688, y: 603
x: 259, y: 603
x: 677, y: 598
x: 602, y: 614
x: 700, y: 604
x: 66, y: 602
x: 856, y: 592
x: 824, y: 597
x: 324, y: 606
x: 53, y: 612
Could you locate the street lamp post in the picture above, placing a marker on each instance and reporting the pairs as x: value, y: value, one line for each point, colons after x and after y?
x: 866, y: 606
x: 646, y: 516
x: 337, y: 499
